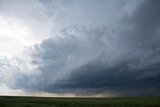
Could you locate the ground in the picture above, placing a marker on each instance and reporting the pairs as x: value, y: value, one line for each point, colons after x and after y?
x: 7, y: 101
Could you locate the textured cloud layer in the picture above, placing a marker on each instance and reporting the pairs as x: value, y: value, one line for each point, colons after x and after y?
x: 121, y: 58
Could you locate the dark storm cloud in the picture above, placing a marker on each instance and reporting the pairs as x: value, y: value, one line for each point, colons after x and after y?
x: 125, y: 60
x: 146, y: 23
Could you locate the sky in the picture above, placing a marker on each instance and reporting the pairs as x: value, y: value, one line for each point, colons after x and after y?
x: 80, y: 48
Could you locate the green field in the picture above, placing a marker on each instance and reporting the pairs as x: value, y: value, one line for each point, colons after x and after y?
x: 6, y: 101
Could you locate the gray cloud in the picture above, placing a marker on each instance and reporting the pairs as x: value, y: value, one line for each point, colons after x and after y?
x: 123, y: 58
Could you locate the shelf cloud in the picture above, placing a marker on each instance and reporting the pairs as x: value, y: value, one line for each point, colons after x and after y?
x: 106, y: 48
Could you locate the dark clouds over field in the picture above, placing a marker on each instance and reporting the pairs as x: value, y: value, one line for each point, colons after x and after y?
x: 102, y: 46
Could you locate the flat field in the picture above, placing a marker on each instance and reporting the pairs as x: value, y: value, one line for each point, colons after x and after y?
x: 6, y: 101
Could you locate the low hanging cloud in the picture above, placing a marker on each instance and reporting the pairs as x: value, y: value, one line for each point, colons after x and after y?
x: 96, y: 60
x: 123, y: 60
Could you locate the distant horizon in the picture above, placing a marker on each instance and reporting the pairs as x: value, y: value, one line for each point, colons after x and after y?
x: 85, y: 97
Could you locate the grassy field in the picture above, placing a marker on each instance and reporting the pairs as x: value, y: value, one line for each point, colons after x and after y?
x: 77, y: 102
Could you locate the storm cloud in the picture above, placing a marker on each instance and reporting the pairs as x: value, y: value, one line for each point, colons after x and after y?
x: 98, y: 51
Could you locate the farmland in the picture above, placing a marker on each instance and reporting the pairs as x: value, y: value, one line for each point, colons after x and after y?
x: 7, y: 101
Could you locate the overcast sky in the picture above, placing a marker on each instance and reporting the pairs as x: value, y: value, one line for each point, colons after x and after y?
x: 99, y: 48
